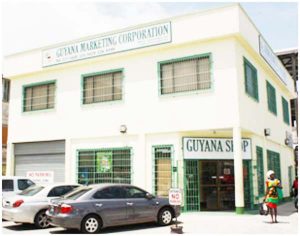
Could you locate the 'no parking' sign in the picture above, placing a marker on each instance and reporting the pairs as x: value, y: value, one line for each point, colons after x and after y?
x: 175, y: 196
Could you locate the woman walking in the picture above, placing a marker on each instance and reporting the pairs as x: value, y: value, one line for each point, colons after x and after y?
x: 271, y: 198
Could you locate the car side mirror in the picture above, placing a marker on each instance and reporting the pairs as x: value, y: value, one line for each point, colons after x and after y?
x: 149, y: 196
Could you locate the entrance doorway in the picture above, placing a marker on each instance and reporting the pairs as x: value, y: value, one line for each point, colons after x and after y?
x: 216, y: 185
x: 209, y: 185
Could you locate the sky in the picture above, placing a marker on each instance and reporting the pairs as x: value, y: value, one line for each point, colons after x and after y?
x: 33, y: 24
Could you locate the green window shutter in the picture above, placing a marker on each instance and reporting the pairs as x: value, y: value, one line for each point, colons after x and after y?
x: 251, y: 83
x: 285, y: 111
x: 260, y: 171
x: 271, y: 95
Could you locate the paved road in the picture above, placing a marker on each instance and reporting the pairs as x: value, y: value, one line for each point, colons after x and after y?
x: 193, y: 223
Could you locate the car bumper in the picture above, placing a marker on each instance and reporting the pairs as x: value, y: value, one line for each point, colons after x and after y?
x: 16, y: 215
x: 64, y: 221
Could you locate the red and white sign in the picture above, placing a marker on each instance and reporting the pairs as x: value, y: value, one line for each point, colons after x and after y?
x: 175, y: 196
x: 41, y: 177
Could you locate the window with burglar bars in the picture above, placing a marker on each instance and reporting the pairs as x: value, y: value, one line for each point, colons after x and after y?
x: 285, y: 110
x: 39, y: 97
x: 274, y: 163
x: 162, y: 170
x: 260, y: 171
x: 271, y: 93
x: 104, y: 166
x: 251, y: 84
x: 185, y: 75
x: 102, y: 87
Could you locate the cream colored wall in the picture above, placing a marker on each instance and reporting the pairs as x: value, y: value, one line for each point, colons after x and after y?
x: 142, y: 109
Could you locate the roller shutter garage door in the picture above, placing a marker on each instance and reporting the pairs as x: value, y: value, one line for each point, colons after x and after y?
x: 41, y: 156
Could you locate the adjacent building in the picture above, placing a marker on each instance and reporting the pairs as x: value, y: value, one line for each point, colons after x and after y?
x: 197, y: 101
x: 5, y: 102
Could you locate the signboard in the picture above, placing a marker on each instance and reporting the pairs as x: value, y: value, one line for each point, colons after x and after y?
x: 103, y: 162
x: 175, y: 196
x: 213, y: 148
x: 119, y: 42
x: 41, y: 177
x: 267, y: 53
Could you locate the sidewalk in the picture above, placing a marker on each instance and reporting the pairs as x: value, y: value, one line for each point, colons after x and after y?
x: 231, y: 223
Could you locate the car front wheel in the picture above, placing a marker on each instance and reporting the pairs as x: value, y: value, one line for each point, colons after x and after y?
x: 41, y: 220
x: 91, y: 224
x: 165, y: 216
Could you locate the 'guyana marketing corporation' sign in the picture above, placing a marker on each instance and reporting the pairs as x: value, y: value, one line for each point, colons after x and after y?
x: 123, y: 41
x: 213, y: 148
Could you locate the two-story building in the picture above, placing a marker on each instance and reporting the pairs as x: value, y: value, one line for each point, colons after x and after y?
x: 157, y: 105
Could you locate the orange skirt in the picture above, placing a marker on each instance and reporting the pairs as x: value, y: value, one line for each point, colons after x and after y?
x: 271, y: 205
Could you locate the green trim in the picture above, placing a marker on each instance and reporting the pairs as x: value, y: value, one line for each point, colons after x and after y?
x: 83, y: 76
x: 271, y: 98
x: 239, y: 210
x: 198, y: 91
x: 31, y: 85
x: 253, y: 82
x: 171, y: 146
x: 285, y: 111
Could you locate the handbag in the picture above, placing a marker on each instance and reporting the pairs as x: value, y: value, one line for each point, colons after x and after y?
x: 263, y: 209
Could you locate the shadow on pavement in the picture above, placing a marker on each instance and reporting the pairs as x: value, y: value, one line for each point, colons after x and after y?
x: 113, y: 229
x: 24, y: 227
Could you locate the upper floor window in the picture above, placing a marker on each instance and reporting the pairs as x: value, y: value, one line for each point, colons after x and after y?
x: 271, y: 94
x: 285, y: 111
x: 39, y: 97
x: 187, y: 74
x: 251, y: 84
x: 5, y: 89
x: 102, y: 87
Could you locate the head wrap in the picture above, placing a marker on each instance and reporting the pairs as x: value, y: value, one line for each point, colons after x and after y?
x: 269, y: 173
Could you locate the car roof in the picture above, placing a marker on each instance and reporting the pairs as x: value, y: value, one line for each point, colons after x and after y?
x: 108, y: 185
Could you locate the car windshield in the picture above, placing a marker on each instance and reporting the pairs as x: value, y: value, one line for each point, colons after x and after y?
x: 78, y: 192
x: 32, y: 190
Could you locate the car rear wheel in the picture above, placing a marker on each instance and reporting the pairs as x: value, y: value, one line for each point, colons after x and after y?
x: 91, y: 224
x: 165, y: 216
x: 41, y: 220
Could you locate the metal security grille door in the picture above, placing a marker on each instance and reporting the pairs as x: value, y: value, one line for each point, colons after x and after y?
x: 104, y: 166
x: 274, y: 163
x: 162, y: 170
x: 192, y: 193
x: 41, y: 156
x: 260, y: 171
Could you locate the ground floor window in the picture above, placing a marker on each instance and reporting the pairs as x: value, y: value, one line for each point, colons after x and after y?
x: 104, y: 166
x: 209, y: 185
x: 274, y: 163
x: 162, y: 170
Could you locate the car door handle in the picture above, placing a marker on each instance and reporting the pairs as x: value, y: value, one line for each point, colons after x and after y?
x: 129, y: 203
x: 98, y: 205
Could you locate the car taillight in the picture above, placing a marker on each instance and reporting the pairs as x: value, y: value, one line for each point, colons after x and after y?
x: 18, y: 203
x: 65, y: 209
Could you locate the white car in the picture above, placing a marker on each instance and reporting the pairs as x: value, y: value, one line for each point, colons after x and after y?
x: 30, y: 205
x: 11, y: 185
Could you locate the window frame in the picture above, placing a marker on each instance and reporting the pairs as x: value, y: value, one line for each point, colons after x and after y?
x: 246, y: 62
x: 5, y: 89
x: 285, y: 113
x: 271, y: 104
x: 181, y: 59
x: 112, y: 71
x: 34, y: 85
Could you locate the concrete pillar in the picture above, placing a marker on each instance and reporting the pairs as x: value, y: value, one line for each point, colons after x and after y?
x: 9, y: 159
x: 238, y: 170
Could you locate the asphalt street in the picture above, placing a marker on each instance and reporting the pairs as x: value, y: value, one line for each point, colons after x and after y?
x: 193, y: 223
